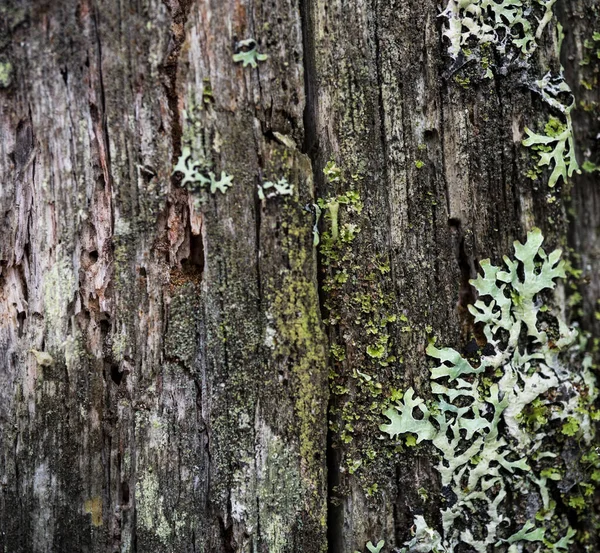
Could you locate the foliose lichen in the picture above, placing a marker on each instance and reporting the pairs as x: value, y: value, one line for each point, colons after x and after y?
x: 374, y: 548
x: 496, y: 419
x: 513, y: 28
x: 247, y: 53
x: 556, y: 147
x: 516, y: 23
x: 280, y: 187
x: 197, y: 177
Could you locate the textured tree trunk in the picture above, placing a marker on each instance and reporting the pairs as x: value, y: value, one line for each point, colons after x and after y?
x: 182, y: 369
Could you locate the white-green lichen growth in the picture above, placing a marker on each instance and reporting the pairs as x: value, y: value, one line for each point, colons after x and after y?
x: 42, y: 358
x: 279, y: 493
x: 525, y: 359
x: 247, y: 53
x: 425, y: 539
x: 197, y: 178
x: 151, y: 509
x: 271, y: 189
x: 516, y: 23
x: 6, y: 73
x: 516, y: 26
x: 556, y: 147
x: 374, y: 548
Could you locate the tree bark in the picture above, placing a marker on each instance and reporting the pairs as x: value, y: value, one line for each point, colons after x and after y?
x: 184, y: 369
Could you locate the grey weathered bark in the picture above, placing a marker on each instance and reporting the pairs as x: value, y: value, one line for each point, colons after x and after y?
x: 165, y: 351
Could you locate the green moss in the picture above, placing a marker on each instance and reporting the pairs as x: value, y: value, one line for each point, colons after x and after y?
x: 463, y: 82
x: 297, y: 324
x: 359, y: 309
x: 6, y: 73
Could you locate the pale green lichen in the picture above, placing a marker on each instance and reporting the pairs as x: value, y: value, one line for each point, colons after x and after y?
x: 150, y: 507
x: 120, y: 344
x: 374, y: 548
x: 525, y: 360
x: 507, y: 23
x: 424, y: 538
x: 518, y: 25
x: 279, y: 488
x: 316, y: 210
x: 556, y: 147
x: 247, y: 54
x: 6, y: 73
x: 42, y: 358
x: 152, y: 511
x: 280, y: 187
x: 195, y: 175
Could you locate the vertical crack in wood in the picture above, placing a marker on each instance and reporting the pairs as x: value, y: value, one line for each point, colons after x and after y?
x: 467, y: 295
x: 179, y: 14
x: 310, y: 147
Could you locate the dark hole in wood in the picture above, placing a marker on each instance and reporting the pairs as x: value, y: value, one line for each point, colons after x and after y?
x: 21, y: 316
x: 124, y: 492
x: 197, y: 252
x: 104, y: 326
x: 94, y: 256
x: 116, y: 374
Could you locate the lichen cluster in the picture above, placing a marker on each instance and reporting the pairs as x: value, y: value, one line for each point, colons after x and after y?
x: 556, y: 147
x: 197, y: 177
x: 513, y: 28
x: 195, y: 165
x: 495, y: 417
x: 516, y: 23
x: 271, y: 189
x: 247, y: 53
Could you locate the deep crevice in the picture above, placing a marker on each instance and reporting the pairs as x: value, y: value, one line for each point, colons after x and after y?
x: 311, y: 142
x: 310, y: 147
x: 179, y: 16
x: 467, y: 295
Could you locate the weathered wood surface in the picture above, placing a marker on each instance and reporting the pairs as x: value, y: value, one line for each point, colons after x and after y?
x: 182, y: 402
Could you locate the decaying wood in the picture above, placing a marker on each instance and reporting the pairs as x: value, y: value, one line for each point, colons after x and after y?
x: 164, y: 364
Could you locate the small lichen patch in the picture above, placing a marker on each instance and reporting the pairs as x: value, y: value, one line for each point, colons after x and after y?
x: 150, y: 508
x: 280, y: 187
x: 247, y: 53
x: 197, y: 178
x: 6, y: 73
x: 59, y: 288
x: 375, y: 548
x: 43, y: 358
x: 94, y: 507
